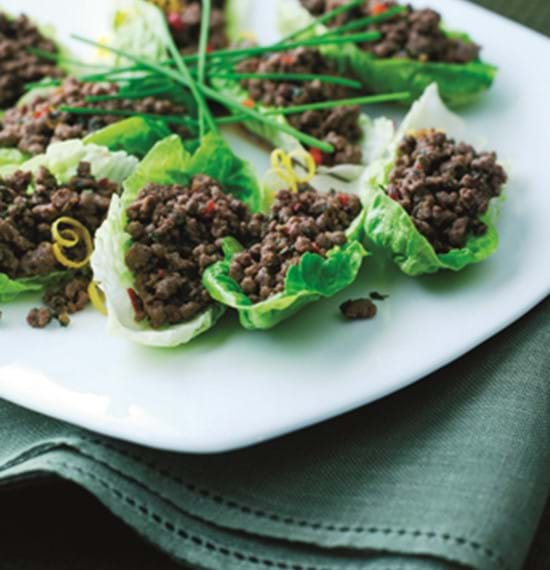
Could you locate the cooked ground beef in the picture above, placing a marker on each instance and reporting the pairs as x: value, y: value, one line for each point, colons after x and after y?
x: 302, y: 222
x: 177, y: 233
x: 359, y: 309
x: 66, y: 298
x: 339, y: 126
x: 445, y: 187
x: 32, y: 127
x: 414, y: 34
x: 40, y: 318
x: 184, y: 20
x: 17, y: 66
x: 26, y: 219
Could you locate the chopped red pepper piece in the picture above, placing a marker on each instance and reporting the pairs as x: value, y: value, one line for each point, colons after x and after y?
x: 137, y: 304
x: 344, y: 199
x: 288, y: 59
x: 41, y: 111
x: 175, y: 21
x: 378, y: 9
x: 210, y: 207
x: 317, y: 155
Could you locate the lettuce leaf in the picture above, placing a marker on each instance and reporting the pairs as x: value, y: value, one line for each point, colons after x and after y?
x: 388, y: 226
x: 459, y: 84
x: 11, y: 156
x: 167, y: 163
x: 312, y: 279
x: 139, y: 28
x: 278, y: 139
x: 62, y: 160
x: 136, y: 135
x: 237, y: 12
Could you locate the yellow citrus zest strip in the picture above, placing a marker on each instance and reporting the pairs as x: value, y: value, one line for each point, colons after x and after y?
x: 282, y: 164
x: 97, y: 298
x: 248, y: 36
x: 69, y: 238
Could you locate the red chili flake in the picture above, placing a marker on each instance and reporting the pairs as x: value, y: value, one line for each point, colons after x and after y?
x: 41, y: 111
x: 315, y: 247
x: 288, y: 59
x: 210, y: 207
x: 250, y: 103
x: 103, y: 182
x: 161, y: 273
x: 378, y: 9
x: 210, y: 48
x: 137, y: 304
x: 296, y: 207
x: 344, y: 199
x: 317, y: 155
x: 393, y: 194
x: 175, y: 21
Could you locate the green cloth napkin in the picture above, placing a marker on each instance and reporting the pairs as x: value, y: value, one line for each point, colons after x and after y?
x: 452, y: 471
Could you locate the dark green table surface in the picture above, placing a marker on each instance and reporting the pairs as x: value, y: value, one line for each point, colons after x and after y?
x: 54, y: 525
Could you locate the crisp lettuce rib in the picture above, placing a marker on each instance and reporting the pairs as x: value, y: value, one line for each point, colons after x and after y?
x: 62, y: 160
x: 388, y: 226
x: 459, y: 84
x: 312, y: 279
x: 167, y: 163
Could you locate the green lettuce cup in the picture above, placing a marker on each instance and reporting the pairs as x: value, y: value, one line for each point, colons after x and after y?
x: 315, y: 277
x: 139, y: 27
x: 62, y: 160
x: 389, y: 228
x: 459, y: 84
x: 375, y: 135
x: 134, y: 135
x: 167, y: 163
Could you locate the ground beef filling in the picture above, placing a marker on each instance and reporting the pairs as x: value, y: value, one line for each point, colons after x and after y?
x: 302, y: 222
x: 184, y: 20
x: 25, y: 233
x: 68, y: 297
x: 17, y: 66
x: 339, y: 126
x: 32, y: 127
x: 359, y: 309
x: 414, y: 34
x: 26, y: 219
x: 177, y: 233
x: 445, y: 187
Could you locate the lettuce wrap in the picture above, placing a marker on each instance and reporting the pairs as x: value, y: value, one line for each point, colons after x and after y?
x: 372, y: 142
x: 135, y: 135
x: 376, y: 134
x: 62, y: 159
x: 49, y: 33
x: 459, y: 84
x: 312, y: 279
x: 167, y: 163
x: 139, y: 27
x: 387, y: 224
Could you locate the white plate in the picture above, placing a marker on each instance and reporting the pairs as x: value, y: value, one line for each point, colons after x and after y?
x: 232, y: 388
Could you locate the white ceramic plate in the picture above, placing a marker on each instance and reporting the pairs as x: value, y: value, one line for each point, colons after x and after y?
x: 232, y: 388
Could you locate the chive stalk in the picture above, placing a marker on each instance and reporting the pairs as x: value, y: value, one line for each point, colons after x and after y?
x: 211, y: 94
x: 294, y: 77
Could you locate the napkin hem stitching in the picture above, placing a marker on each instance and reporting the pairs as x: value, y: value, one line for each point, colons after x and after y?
x: 182, y: 533
x: 290, y: 521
